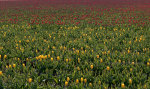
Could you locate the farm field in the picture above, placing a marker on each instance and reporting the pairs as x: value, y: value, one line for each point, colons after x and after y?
x: 74, y: 46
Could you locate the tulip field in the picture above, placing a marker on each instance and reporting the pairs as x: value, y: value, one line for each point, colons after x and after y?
x: 74, y: 47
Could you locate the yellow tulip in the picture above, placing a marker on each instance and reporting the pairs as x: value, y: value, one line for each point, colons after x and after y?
x: 90, y: 84
x: 91, y: 66
x: 51, y: 59
x: 23, y: 65
x: 78, y: 68
x: 85, y: 80
x: 130, y: 80
x: 122, y: 85
x: 101, y: 60
x: 68, y: 79
x: 132, y: 63
x: 128, y: 51
x: 9, y: 66
x: 73, y: 49
x: 5, y: 56
x: 108, y: 68
x: 30, y: 80
x: 52, y: 52
x: 14, y: 65
x: 1, y: 73
x: 67, y: 60
x: 97, y: 56
x: 108, y: 51
x: 119, y: 61
x: 81, y: 79
x: 77, y: 81
x: 78, y: 60
x: 66, y: 83
x: 49, y: 56
x: 58, y: 58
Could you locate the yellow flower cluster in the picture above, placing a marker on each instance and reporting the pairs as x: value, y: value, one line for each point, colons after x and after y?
x: 41, y: 57
x: 74, y: 28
